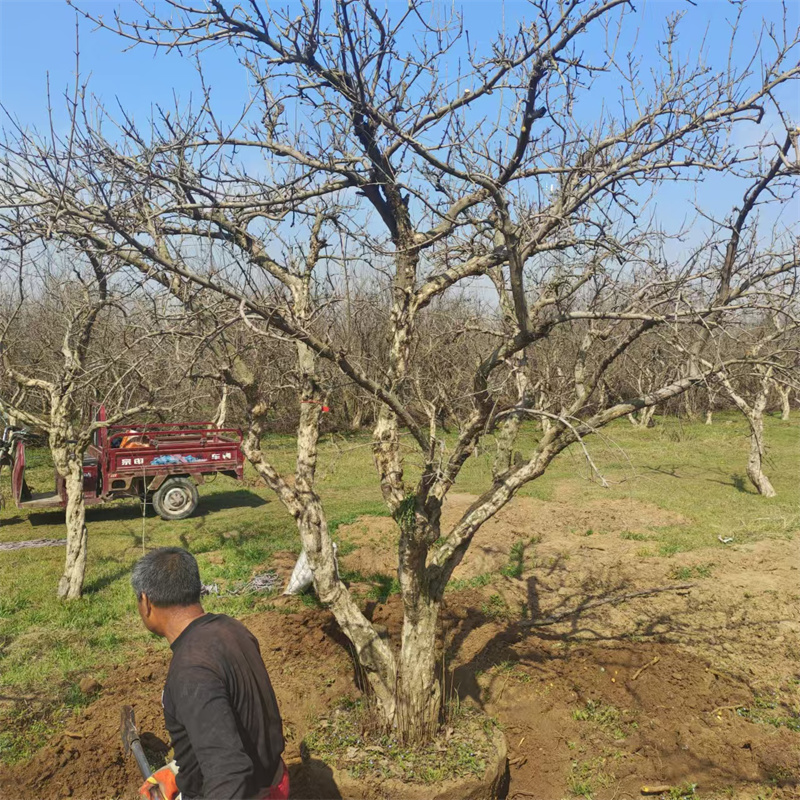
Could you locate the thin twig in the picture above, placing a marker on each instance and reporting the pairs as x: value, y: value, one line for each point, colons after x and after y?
x: 646, y: 666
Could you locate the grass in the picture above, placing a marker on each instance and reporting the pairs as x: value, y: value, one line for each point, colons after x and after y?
x: 512, y: 669
x: 495, y: 608
x: 606, y: 717
x: 47, y: 646
x: 380, y: 586
x: 683, y: 791
x: 766, y: 710
x: 586, y: 776
x: 475, y: 582
x: 516, y: 561
x: 697, y: 571
x: 633, y: 537
x: 348, y: 740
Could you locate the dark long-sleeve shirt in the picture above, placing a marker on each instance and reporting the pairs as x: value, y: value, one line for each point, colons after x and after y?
x: 221, y: 712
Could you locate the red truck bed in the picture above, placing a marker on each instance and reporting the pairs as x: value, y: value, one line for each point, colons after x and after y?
x: 160, y: 450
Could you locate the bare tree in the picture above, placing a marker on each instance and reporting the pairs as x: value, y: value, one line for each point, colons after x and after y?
x: 434, y: 182
x: 750, y: 388
x: 54, y: 368
x: 784, y: 389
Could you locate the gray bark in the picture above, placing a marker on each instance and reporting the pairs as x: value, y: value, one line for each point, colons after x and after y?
x: 754, y: 414
x: 508, y: 428
x: 785, y: 394
x: 755, y: 469
x: 222, y: 408
x: 419, y: 692
x: 643, y: 418
x: 70, y: 467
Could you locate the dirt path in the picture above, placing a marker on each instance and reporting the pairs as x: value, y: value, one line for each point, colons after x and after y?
x: 696, y: 686
x: 32, y: 543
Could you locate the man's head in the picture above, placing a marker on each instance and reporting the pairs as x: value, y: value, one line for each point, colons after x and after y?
x: 167, y: 586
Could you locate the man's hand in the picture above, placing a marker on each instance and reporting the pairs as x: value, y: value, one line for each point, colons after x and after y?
x: 164, y: 780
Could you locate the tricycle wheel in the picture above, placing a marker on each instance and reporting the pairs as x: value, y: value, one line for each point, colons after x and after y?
x: 176, y: 498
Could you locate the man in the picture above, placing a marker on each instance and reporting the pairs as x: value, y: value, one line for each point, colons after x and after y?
x: 219, y: 706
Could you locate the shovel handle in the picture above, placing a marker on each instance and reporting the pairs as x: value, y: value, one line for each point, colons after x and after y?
x: 131, y: 744
x: 141, y: 759
x: 144, y: 768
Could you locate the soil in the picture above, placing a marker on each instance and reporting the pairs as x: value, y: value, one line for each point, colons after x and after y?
x: 600, y: 689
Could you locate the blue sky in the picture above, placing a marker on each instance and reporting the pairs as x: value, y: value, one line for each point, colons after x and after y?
x: 37, y: 38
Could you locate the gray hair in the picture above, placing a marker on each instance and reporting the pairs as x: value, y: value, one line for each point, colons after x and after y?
x: 169, y: 576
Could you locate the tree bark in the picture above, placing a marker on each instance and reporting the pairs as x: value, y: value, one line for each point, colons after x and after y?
x: 642, y: 418
x: 755, y: 419
x: 508, y: 428
x: 222, y: 408
x: 786, y: 408
x: 754, y: 462
x: 709, y: 415
x: 689, y: 407
x: 70, y: 467
x: 419, y: 699
x: 357, y: 414
x: 373, y: 654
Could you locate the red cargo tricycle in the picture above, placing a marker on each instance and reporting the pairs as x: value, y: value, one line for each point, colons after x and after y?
x: 160, y: 463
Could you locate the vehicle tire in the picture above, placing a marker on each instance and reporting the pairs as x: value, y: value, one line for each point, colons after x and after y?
x: 176, y: 498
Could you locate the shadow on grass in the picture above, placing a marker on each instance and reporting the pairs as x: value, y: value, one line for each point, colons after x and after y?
x: 670, y: 472
x: 96, y: 585
x: 738, y: 481
x: 122, y: 510
x: 236, y: 498
x: 311, y: 779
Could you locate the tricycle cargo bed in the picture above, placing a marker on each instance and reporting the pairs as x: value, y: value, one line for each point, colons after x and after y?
x: 161, y: 450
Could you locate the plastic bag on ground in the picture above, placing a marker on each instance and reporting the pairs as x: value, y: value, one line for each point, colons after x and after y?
x: 302, y: 578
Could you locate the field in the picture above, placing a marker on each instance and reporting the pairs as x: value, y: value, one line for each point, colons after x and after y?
x: 610, y: 632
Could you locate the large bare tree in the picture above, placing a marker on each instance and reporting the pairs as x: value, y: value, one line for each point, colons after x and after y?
x: 498, y: 171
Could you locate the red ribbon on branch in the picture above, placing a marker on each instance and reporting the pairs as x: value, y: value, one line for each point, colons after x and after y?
x: 325, y: 408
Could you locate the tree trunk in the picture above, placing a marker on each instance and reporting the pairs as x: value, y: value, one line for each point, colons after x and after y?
x: 419, y: 696
x: 755, y: 419
x: 642, y: 418
x: 544, y: 422
x: 754, y: 463
x: 508, y: 429
x: 372, y: 653
x: 785, y: 393
x: 505, y: 438
x: 70, y: 467
x: 222, y: 408
x: 357, y: 415
x: 709, y: 414
x: 689, y: 407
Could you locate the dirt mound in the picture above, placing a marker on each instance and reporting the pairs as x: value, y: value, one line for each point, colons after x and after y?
x: 376, y: 537
x: 591, y: 715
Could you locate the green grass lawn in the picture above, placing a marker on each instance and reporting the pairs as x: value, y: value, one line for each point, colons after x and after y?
x: 46, y: 647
